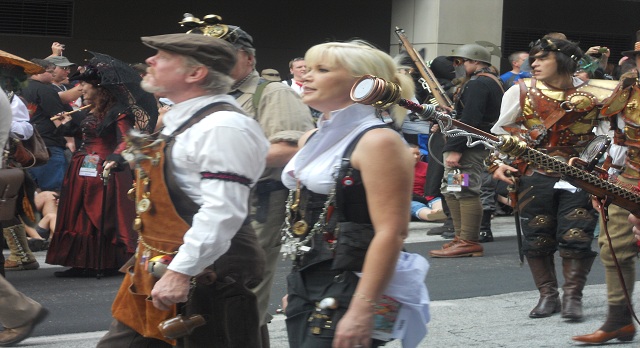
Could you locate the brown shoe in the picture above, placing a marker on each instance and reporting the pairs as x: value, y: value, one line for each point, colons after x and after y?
x: 24, y: 266
x: 462, y: 248
x: 625, y: 334
x: 455, y: 241
x: 9, y: 337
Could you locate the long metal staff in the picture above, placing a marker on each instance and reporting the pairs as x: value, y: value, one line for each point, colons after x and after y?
x: 100, y: 235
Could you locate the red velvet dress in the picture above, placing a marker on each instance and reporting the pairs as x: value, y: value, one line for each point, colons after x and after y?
x: 75, y: 240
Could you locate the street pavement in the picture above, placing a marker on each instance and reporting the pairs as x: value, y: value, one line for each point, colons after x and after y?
x: 462, y: 316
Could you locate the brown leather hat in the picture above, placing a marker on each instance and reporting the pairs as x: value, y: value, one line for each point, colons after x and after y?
x: 215, y: 53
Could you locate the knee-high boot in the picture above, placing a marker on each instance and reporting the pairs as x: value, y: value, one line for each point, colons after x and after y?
x: 544, y: 275
x: 575, y: 276
x: 20, y: 257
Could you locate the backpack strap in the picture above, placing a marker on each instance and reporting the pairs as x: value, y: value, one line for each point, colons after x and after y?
x: 258, y: 94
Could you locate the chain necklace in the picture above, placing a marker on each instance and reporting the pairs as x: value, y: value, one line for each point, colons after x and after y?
x: 294, y: 245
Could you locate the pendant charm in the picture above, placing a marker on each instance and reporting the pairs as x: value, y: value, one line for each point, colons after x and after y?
x: 347, y: 181
x: 145, y: 258
x: 137, y: 224
x: 299, y: 228
x: 143, y: 205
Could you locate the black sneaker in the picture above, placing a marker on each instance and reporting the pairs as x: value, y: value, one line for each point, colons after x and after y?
x: 447, y: 227
x: 485, y: 236
x: 449, y: 234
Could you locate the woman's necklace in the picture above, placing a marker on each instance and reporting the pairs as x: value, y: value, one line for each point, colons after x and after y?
x: 293, y: 243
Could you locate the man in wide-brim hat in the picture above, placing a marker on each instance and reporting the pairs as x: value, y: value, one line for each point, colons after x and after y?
x: 622, y: 105
x: 18, y: 313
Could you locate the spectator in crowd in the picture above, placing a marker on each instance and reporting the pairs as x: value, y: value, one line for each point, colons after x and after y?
x: 516, y: 59
x: 43, y: 103
x: 271, y: 75
x: 423, y: 208
x: 297, y: 68
x: 19, y: 314
x: 12, y: 78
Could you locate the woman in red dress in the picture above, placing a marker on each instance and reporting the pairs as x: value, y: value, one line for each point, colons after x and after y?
x: 76, y: 242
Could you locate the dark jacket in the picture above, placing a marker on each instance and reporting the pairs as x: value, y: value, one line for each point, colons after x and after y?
x: 477, y: 106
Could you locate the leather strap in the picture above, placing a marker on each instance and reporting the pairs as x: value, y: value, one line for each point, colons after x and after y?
x: 494, y: 78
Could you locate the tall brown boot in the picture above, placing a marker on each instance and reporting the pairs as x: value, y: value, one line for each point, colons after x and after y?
x: 544, y: 275
x: 619, y: 325
x: 575, y: 276
x: 20, y: 257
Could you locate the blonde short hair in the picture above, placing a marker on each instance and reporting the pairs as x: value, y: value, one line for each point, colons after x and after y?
x: 360, y: 58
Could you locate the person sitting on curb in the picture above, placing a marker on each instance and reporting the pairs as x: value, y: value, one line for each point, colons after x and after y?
x: 423, y: 208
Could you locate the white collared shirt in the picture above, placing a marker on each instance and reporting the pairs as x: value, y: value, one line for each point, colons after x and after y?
x: 223, y: 142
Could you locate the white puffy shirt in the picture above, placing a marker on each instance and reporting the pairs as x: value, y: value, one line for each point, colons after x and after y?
x: 223, y: 142
x: 317, y: 163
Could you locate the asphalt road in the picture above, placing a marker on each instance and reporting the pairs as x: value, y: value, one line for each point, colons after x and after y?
x: 476, y: 302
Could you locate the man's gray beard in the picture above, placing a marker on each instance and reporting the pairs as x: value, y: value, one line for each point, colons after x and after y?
x: 151, y: 88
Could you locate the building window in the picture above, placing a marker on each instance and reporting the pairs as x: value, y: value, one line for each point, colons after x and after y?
x: 36, y: 17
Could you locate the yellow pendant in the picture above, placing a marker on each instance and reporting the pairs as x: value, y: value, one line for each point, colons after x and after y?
x: 137, y: 224
x: 299, y: 228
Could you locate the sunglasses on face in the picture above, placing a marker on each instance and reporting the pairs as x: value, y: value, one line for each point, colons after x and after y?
x: 459, y: 61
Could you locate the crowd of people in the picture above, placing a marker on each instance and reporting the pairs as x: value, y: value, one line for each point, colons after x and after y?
x: 191, y: 173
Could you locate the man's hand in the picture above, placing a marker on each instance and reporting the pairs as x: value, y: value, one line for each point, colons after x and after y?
x: 635, y: 221
x: 172, y: 288
x: 57, y: 49
x: 501, y: 173
x: 453, y: 159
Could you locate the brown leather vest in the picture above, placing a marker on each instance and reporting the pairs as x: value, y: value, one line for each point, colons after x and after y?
x: 560, y: 122
x: 161, y: 229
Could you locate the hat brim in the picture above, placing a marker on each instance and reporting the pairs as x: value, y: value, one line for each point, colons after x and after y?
x: 29, y: 67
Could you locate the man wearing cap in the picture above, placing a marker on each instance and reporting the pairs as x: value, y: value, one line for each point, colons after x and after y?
x: 18, y: 313
x: 625, y: 158
x: 192, y: 210
x: 284, y: 118
x: 270, y: 75
x: 43, y: 103
x: 61, y: 78
x: 478, y: 104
